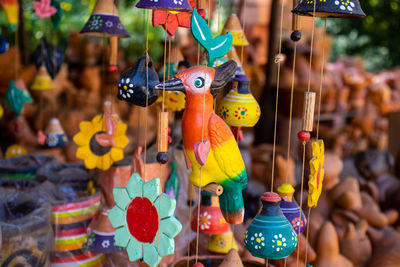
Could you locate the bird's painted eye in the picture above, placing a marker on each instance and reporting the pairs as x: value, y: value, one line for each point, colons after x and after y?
x: 199, y: 82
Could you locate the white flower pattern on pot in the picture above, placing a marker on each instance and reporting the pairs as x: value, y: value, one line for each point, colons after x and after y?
x: 205, y: 221
x: 257, y: 240
x: 105, y: 243
x: 109, y: 23
x: 125, y: 88
x: 279, y: 242
x: 178, y: 2
x: 52, y: 139
x: 345, y: 4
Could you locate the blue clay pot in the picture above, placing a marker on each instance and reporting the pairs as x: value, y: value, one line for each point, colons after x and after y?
x: 270, y: 235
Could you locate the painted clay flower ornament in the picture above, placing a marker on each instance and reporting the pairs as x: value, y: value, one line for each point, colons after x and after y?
x: 43, y: 9
x: 316, y: 173
x: 101, y: 141
x: 17, y: 97
x: 145, y: 230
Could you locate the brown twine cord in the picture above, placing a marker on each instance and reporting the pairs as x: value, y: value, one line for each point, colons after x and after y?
x: 147, y: 91
x: 321, y: 78
x: 277, y: 97
x: 301, y: 202
x: 291, y: 108
x: 311, y: 47
x: 307, y: 232
x: 244, y: 27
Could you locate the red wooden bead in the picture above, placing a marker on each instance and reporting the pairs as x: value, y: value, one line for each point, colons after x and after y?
x: 199, y: 264
x: 112, y: 68
x: 303, y: 136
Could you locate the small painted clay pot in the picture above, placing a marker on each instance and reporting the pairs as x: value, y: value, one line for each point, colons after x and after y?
x: 55, y: 135
x: 211, y: 219
x: 239, y: 107
x: 101, y: 238
x: 291, y: 209
x: 222, y: 243
x: 270, y: 235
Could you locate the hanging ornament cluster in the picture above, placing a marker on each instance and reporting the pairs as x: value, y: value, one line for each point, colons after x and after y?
x: 224, y: 165
x: 270, y: 235
x: 101, y: 141
x: 144, y: 221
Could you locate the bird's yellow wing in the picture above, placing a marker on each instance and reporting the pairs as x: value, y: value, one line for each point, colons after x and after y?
x: 224, y: 147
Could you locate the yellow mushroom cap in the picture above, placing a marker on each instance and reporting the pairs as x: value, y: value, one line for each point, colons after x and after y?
x: 285, y: 189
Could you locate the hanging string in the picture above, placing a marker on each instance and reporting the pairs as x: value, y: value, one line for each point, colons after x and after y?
x: 147, y: 91
x: 161, y: 117
x: 318, y: 118
x: 291, y: 107
x: 301, y: 201
x: 277, y: 61
x: 311, y: 47
x: 244, y: 28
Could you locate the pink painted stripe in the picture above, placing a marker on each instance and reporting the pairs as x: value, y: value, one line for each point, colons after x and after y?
x: 75, y: 258
x: 71, y: 232
x: 77, y: 205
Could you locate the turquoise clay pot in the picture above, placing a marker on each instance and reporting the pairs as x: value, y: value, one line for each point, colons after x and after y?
x: 270, y: 235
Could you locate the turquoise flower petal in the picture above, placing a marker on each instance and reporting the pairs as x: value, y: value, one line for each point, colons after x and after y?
x: 170, y: 226
x: 168, y: 205
x: 167, y: 245
x: 135, y: 186
x: 134, y: 249
x: 121, y: 197
x: 117, y: 217
x: 151, y: 189
x: 122, y: 237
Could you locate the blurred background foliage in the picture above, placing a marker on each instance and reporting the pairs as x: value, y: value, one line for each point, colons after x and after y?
x: 375, y: 38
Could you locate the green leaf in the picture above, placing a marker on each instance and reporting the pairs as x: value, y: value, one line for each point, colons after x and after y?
x: 216, y: 47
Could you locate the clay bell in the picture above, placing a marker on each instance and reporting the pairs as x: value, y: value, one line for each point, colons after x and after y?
x: 48, y: 55
x: 104, y: 21
x: 239, y: 108
x: 232, y: 25
x: 101, y: 238
x: 171, y: 5
x: 222, y: 243
x: 42, y: 80
x: 291, y: 209
x: 270, y: 235
x: 132, y: 83
x: 55, y: 135
x: 211, y: 219
x: 333, y: 8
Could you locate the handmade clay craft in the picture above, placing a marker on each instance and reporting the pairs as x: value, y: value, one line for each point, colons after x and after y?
x: 42, y: 80
x: 232, y: 259
x: 346, y: 9
x: 270, y: 235
x: 101, y: 237
x: 233, y: 26
x: 216, y: 47
x: 291, y: 209
x: 104, y: 21
x: 211, y: 219
x: 17, y: 97
x: 316, y: 176
x: 239, y: 108
x: 101, y: 141
x: 15, y: 151
x: 144, y: 221
x: 55, y: 135
x: 170, y: 5
x: 222, y: 243
x: 48, y: 55
x: 328, y: 254
x: 136, y: 84
x: 199, y: 83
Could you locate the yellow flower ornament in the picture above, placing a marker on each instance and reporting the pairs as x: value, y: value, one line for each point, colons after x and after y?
x: 316, y: 173
x: 101, y: 141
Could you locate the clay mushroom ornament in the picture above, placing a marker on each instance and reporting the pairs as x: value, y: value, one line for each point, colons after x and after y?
x: 210, y: 143
x: 144, y: 221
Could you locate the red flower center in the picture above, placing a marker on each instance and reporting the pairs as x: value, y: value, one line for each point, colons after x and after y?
x: 142, y: 219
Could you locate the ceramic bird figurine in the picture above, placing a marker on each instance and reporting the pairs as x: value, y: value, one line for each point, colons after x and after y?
x: 202, y: 127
